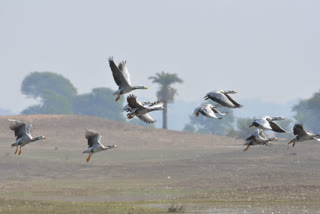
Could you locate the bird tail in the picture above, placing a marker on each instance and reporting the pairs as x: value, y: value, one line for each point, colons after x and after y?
x: 14, y: 144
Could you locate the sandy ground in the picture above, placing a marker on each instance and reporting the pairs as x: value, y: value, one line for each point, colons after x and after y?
x: 152, y: 164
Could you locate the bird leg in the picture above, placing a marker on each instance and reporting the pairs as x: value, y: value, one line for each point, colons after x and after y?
x: 293, y: 141
x: 16, y: 150
x: 246, y: 148
x: 88, y: 159
x: 118, y: 97
x: 20, y: 151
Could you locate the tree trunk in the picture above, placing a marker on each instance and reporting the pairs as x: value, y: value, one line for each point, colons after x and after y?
x: 165, y: 115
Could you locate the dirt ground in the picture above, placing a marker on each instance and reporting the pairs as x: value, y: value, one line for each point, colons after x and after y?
x: 152, y: 164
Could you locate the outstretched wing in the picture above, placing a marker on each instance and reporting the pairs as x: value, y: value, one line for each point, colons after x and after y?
x: 207, y: 111
x: 299, y: 130
x: 213, y: 108
x: 236, y: 105
x: 124, y: 71
x: 146, y: 118
x: 132, y: 102
x: 223, y: 99
x: 156, y: 104
x: 18, y: 127
x: 275, y: 127
x: 120, y: 75
x: 93, y: 137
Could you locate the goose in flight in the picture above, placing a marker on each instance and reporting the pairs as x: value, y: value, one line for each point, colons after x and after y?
x: 22, y: 133
x: 302, y: 135
x: 209, y: 110
x: 222, y: 97
x: 140, y: 110
x: 267, y: 123
x: 94, y: 144
x: 258, y: 138
x: 122, y: 78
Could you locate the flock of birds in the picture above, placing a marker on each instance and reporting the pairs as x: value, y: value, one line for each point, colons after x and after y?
x: 141, y: 110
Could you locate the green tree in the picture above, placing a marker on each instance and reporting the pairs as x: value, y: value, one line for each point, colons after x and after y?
x: 213, y: 126
x: 308, y: 112
x: 52, y: 103
x: 99, y: 103
x: 166, y: 93
x: 37, y: 83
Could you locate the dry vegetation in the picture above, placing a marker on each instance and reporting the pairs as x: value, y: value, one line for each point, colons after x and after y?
x: 151, y: 164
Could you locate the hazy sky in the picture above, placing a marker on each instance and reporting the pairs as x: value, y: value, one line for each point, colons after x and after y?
x: 263, y: 49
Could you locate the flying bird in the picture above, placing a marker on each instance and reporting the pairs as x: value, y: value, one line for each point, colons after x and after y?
x: 141, y: 111
x: 258, y: 138
x: 122, y: 78
x: 209, y: 110
x: 302, y: 135
x: 94, y: 144
x: 22, y: 133
x: 222, y: 97
x: 267, y: 123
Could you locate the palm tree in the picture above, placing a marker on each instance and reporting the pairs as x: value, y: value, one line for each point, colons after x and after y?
x: 166, y: 92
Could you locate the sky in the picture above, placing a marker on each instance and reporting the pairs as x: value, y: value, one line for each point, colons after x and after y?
x: 266, y: 50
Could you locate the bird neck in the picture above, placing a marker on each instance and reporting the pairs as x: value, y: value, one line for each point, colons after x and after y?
x: 35, y: 139
x: 138, y: 87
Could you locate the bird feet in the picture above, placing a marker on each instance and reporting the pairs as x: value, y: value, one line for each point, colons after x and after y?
x: 16, y: 150
x: 118, y: 98
x: 88, y: 159
x: 246, y: 148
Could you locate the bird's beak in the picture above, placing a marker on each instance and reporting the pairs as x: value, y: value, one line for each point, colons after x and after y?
x: 145, y: 87
x: 163, y: 108
x: 235, y: 92
x: 45, y: 138
x: 117, y: 146
x: 277, y: 138
x: 206, y: 97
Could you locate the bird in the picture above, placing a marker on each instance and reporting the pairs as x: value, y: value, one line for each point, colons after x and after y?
x: 302, y: 135
x: 141, y: 111
x: 94, y: 144
x: 222, y: 97
x: 127, y: 108
x: 209, y: 110
x: 122, y: 78
x: 267, y: 123
x: 22, y: 134
x: 258, y: 138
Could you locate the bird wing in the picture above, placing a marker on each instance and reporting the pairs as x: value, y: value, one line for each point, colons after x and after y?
x: 262, y: 135
x: 207, y: 111
x: 275, y: 127
x: 221, y: 99
x: 132, y: 102
x: 124, y: 71
x: 236, y: 105
x: 118, y: 74
x: 263, y: 123
x: 18, y: 127
x: 317, y: 138
x: 213, y: 108
x: 93, y: 138
x: 156, y: 104
x: 146, y: 118
x: 299, y: 130
x: 253, y: 135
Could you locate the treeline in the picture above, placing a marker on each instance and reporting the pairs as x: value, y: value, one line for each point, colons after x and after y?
x: 57, y: 95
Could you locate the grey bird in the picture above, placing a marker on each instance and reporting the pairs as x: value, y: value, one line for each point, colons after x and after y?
x: 267, y: 123
x: 94, y: 144
x: 258, y: 138
x: 141, y: 111
x: 209, y: 110
x: 302, y: 135
x: 222, y: 97
x: 23, y: 134
x: 122, y: 78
